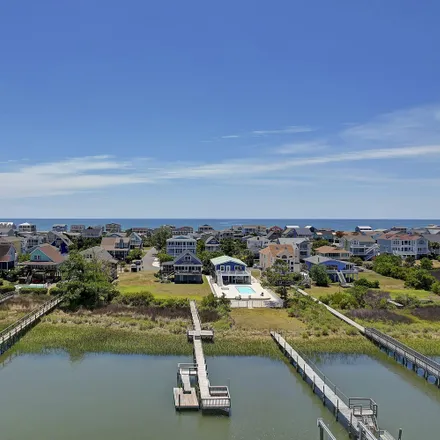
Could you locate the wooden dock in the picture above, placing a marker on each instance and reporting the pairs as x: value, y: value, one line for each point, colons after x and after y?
x: 405, y: 355
x: 10, y: 334
x: 7, y: 296
x: 402, y: 353
x: 208, y: 398
x: 356, y: 414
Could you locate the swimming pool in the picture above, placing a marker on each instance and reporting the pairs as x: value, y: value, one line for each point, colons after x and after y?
x: 245, y: 289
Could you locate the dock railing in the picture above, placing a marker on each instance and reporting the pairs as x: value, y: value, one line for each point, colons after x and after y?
x: 327, y: 382
x: 192, y: 368
x: 362, y: 406
x: 323, y: 428
x: 398, y: 347
x: 28, y: 319
x: 6, y: 296
x: 219, y: 391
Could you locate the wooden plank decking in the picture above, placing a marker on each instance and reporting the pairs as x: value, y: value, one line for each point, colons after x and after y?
x: 210, y: 398
x: 355, y: 413
x: 9, y: 335
x: 7, y: 296
x: 418, y: 360
x: 184, y: 400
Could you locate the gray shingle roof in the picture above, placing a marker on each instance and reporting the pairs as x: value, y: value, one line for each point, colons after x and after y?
x: 99, y: 253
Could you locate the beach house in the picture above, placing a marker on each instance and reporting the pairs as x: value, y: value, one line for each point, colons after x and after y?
x: 180, y: 244
x: 287, y: 253
x: 228, y: 270
x: 403, y: 244
x: 338, y: 271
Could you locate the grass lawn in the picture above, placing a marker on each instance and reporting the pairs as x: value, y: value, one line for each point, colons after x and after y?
x: 391, y: 285
x: 256, y: 273
x: 317, y: 292
x: 265, y: 319
x: 145, y: 281
x: 386, y: 283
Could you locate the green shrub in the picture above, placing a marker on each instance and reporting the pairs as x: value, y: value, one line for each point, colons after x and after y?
x: 408, y: 300
x: 420, y: 279
x: 351, y: 331
x: 54, y: 291
x: 436, y: 287
x: 340, y: 300
x: 135, y: 299
x: 366, y: 283
x: 36, y: 290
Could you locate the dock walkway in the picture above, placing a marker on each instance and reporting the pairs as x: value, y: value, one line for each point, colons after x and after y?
x: 402, y: 353
x: 405, y: 354
x: 357, y: 414
x: 208, y: 398
x: 10, y: 334
x: 7, y: 296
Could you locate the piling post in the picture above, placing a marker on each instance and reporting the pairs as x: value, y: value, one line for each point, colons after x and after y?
x: 400, y: 434
x: 337, y: 410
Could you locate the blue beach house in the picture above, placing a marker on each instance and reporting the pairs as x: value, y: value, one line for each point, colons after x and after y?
x: 337, y: 270
x: 228, y: 270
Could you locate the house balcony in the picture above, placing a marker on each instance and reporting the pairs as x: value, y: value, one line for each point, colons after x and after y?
x: 344, y: 271
x: 401, y: 252
x: 234, y: 272
x: 189, y: 272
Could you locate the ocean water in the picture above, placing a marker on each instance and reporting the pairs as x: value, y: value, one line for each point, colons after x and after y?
x: 45, y: 224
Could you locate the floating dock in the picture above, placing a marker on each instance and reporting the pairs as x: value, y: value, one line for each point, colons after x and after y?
x: 357, y: 414
x: 189, y: 395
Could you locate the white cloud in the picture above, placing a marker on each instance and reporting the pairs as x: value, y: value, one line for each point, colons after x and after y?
x: 416, y: 126
x: 362, y: 147
x: 67, y: 176
x: 288, y: 130
x: 250, y: 167
x: 292, y: 129
x: 300, y: 147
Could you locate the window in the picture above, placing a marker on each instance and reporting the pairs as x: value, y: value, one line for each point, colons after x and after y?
x: 222, y: 268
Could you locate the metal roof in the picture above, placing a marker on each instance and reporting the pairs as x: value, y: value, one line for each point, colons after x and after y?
x: 225, y: 259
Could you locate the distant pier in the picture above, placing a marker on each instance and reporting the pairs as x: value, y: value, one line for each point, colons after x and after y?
x: 204, y: 396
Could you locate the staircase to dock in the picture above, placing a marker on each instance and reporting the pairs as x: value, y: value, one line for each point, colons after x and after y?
x: 205, y: 397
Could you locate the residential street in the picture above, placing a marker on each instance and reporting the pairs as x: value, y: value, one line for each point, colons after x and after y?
x: 148, y: 260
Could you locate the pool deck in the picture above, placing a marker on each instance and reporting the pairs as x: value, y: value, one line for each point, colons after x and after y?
x: 232, y: 293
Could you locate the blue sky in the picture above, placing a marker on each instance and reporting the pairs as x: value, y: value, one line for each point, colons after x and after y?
x: 248, y: 109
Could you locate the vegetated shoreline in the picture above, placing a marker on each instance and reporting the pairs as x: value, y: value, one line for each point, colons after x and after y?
x: 122, y: 329
x: 48, y: 337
